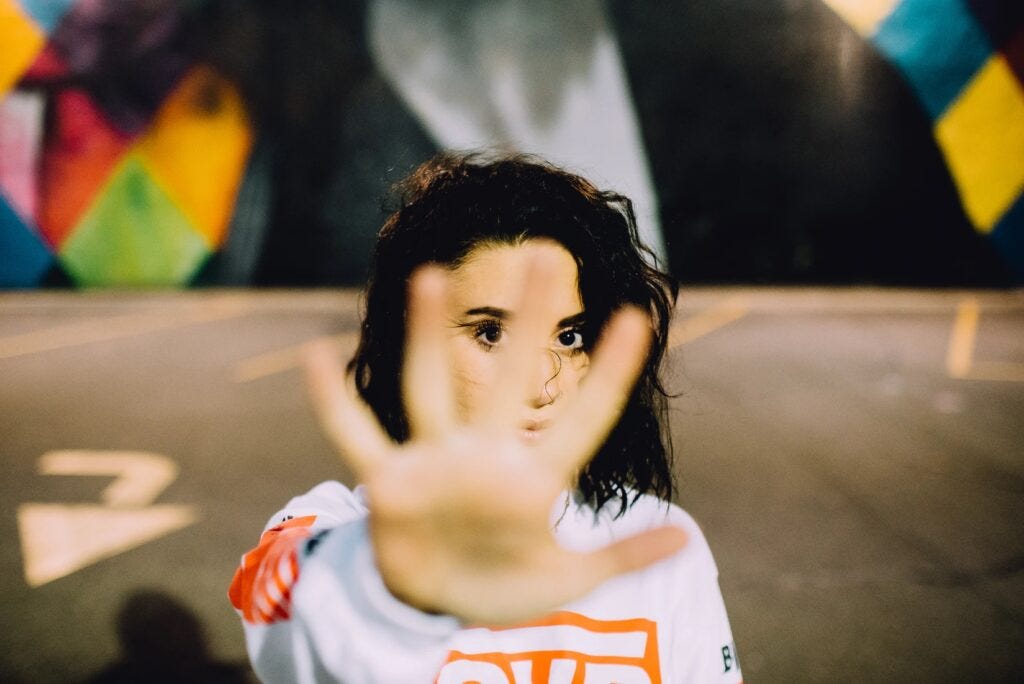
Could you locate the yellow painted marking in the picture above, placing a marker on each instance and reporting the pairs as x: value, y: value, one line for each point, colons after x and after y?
x: 115, y: 327
x: 706, y: 321
x: 960, y: 361
x: 287, y: 359
x: 22, y: 40
x: 59, y: 539
x: 960, y: 354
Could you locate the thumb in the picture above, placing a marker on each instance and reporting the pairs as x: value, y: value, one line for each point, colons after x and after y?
x: 638, y: 551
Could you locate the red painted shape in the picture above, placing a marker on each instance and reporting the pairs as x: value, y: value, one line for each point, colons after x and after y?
x: 48, y: 67
x: 81, y: 152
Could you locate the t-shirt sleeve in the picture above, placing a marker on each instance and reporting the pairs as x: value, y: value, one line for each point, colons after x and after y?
x: 261, y: 588
x: 314, y: 607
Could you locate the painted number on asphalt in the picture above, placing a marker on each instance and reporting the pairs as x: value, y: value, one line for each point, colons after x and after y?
x: 59, y: 539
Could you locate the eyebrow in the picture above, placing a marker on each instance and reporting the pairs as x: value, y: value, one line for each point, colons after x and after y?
x: 502, y: 314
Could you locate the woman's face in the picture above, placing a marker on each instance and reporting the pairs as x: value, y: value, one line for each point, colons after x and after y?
x: 484, y: 302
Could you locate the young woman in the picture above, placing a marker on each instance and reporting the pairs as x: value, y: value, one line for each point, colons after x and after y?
x: 513, y: 521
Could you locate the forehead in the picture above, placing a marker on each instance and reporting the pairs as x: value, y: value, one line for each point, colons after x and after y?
x: 493, y: 275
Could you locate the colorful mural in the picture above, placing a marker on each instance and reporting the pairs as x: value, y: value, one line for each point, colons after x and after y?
x: 137, y: 193
x: 964, y: 59
x: 812, y: 141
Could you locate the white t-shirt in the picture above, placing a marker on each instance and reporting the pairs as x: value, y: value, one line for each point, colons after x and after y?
x: 315, y: 609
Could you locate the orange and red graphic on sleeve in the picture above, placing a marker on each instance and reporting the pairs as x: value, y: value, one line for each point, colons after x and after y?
x: 563, y: 648
x: 262, y: 586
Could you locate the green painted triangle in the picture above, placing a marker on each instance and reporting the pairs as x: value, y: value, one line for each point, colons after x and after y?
x: 133, y: 235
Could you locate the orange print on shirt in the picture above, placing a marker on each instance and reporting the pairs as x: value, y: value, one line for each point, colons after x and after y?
x: 562, y: 648
x: 262, y: 586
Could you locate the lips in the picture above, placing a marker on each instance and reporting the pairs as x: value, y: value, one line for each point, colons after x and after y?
x: 532, y: 430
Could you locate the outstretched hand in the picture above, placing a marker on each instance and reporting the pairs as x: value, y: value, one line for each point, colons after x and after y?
x: 460, y: 514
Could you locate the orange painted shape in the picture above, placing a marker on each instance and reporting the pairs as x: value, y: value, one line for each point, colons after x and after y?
x: 22, y: 39
x: 250, y: 588
x: 197, y: 147
x: 82, y: 151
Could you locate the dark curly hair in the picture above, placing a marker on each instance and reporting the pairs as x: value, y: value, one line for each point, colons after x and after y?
x: 453, y: 203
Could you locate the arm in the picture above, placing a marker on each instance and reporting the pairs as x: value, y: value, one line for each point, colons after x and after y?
x: 312, y: 579
x: 261, y: 588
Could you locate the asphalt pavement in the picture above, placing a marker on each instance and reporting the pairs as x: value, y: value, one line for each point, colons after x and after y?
x: 855, y: 457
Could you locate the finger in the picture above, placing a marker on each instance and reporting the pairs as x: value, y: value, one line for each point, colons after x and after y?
x: 426, y: 373
x: 634, y: 553
x: 528, y: 333
x: 344, y: 417
x: 616, y: 363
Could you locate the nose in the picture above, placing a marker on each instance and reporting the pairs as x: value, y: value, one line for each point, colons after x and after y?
x: 546, y: 384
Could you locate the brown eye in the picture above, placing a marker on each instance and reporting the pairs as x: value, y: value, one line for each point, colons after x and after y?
x: 571, y: 339
x: 489, y: 333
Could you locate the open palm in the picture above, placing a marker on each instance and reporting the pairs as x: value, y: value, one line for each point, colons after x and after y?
x: 460, y: 514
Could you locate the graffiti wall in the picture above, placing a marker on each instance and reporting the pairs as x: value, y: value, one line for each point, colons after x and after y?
x: 204, y: 142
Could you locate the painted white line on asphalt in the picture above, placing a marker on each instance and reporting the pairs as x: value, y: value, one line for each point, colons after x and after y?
x: 287, y: 359
x: 140, y: 475
x: 116, y: 327
x: 709, y: 320
x: 59, y: 539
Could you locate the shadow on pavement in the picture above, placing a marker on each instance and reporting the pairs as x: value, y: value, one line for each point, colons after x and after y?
x: 163, y: 641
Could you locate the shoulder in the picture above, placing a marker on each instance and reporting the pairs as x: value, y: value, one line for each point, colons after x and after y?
x: 581, y: 529
x: 649, y: 511
x: 326, y: 505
